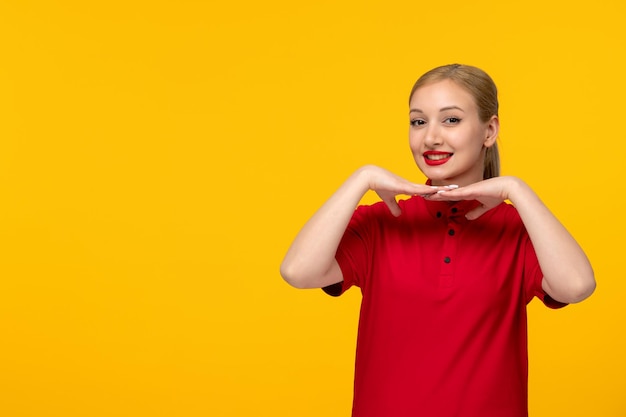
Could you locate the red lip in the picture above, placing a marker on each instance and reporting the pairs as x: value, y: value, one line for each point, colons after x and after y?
x: 433, y: 162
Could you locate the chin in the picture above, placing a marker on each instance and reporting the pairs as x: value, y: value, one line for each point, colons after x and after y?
x: 434, y: 176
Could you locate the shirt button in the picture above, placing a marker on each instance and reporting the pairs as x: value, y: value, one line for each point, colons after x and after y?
x: 438, y: 214
x: 446, y: 259
x: 451, y: 232
x: 454, y: 209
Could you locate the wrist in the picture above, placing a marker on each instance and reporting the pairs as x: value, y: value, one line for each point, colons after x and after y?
x: 515, y: 189
x: 363, y: 177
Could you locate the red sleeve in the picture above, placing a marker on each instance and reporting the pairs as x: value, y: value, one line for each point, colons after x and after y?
x: 354, y: 252
x: 533, y: 277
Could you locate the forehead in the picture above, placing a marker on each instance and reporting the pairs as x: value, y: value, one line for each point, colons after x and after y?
x: 441, y: 94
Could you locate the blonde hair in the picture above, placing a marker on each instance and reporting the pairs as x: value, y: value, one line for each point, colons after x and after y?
x: 480, y: 85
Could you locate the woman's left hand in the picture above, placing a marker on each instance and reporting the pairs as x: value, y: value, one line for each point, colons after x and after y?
x: 567, y: 274
x: 489, y: 193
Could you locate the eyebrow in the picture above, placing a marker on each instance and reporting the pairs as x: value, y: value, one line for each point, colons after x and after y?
x: 440, y: 110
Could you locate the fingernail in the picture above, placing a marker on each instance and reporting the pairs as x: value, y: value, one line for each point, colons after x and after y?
x: 452, y: 186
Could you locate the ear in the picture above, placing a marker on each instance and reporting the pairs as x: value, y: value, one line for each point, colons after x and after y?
x: 491, y: 131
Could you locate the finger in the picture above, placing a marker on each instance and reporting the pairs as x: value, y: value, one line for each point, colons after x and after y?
x: 477, y: 212
x: 429, y: 190
x: 394, y: 208
x: 455, y: 194
x: 416, y: 189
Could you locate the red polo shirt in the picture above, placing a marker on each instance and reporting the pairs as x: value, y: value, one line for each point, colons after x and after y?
x: 442, y: 329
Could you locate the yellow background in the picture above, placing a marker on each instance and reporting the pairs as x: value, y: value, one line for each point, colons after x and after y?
x: 157, y: 158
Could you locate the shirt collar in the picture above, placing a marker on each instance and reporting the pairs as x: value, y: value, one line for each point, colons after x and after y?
x: 452, y: 210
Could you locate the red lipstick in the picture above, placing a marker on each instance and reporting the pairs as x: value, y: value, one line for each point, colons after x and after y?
x: 433, y: 158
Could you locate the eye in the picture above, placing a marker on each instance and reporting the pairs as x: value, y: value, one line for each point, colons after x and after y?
x: 417, y: 122
x: 452, y: 120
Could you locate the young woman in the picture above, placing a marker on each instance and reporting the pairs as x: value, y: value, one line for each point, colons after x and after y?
x: 445, y: 274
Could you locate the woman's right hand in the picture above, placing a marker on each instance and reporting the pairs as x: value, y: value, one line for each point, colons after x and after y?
x: 310, y: 261
x: 389, y: 185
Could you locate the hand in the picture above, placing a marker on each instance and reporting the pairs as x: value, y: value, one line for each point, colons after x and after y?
x: 388, y: 185
x: 489, y: 193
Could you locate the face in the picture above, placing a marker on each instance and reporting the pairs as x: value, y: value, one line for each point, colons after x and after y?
x: 447, y: 138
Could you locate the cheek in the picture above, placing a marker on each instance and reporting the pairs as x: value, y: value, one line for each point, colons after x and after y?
x: 415, y: 144
x: 414, y: 141
x: 469, y: 139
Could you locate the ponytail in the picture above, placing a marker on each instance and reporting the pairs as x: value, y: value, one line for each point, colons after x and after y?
x: 492, y: 162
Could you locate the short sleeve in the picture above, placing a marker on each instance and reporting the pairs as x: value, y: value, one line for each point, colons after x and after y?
x: 353, y: 253
x: 533, y: 277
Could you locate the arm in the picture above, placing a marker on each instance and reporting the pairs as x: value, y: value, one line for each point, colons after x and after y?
x: 568, y: 275
x: 310, y: 261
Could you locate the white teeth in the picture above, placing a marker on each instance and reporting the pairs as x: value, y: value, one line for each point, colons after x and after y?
x: 438, y: 157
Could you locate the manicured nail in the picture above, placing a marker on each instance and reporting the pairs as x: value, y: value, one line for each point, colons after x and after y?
x: 452, y: 186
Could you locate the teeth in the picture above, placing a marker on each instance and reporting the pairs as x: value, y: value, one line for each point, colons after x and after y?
x: 438, y: 157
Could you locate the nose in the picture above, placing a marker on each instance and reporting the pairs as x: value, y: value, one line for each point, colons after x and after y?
x: 432, y: 136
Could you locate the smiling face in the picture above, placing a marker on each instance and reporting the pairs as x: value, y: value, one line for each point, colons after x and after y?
x: 446, y: 135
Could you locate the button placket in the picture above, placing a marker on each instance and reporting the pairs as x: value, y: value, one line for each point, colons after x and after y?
x: 448, y: 264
